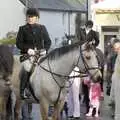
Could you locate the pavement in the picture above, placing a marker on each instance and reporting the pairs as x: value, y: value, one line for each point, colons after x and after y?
x: 105, y: 111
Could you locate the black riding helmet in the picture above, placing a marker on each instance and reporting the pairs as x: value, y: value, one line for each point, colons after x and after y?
x: 31, y: 12
x: 89, y: 23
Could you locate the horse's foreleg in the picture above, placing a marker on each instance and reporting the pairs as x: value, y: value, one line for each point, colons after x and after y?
x: 17, y: 109
x: 57, y: 110
x: 2, y: 108
x: 44, y: 109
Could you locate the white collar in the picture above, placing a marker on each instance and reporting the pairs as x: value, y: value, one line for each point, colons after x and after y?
x: 88, y: 30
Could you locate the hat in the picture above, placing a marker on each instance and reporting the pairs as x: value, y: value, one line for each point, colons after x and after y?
x: 32, y: 12
x: 89, y: 23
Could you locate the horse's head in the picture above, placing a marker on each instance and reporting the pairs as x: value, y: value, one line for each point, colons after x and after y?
x: 90, y: 63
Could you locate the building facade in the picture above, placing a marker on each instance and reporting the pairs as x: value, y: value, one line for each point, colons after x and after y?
x: 11, y: 16
x: 58, y: 16
x: 106, y: 15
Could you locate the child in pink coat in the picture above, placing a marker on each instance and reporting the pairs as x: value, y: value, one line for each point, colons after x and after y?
x: 94, y: 96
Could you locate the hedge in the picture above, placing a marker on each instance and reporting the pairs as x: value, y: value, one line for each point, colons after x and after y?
x: 8, y: 41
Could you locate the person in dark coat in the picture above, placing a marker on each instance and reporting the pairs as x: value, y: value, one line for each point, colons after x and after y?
x: 88, y: 35
x: 31, y: 36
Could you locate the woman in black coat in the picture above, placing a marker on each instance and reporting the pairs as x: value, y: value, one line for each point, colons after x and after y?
x: 31, y: 36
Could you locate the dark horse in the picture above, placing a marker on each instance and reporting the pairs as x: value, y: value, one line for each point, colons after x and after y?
x: 6, y: 61
x: 6, y: 67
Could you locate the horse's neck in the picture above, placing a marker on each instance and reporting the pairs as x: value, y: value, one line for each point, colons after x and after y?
x: 62, y: 65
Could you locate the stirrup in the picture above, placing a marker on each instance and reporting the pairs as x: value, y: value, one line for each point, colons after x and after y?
x: 24, y: 96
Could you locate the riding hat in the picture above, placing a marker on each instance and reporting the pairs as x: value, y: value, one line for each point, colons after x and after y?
x: 31, y: 12
x: 89, y: 23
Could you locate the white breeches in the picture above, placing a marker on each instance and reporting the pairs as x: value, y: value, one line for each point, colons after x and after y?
x: 76, y: 101
x: 27, y: 64
x: 73, y: 96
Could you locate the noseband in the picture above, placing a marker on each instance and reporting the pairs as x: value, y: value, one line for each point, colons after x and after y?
x: 87, y: 68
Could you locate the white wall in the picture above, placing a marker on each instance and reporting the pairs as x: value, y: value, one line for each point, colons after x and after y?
x: 11, y: 16
x: 57, y: 24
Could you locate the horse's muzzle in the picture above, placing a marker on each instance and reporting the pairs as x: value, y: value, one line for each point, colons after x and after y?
x: 98, y: 76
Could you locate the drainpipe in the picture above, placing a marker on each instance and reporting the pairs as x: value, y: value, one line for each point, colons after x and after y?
x: 88, y: 4
x: 69, y: 23
x: 69, y: 27
x: 87, y: 7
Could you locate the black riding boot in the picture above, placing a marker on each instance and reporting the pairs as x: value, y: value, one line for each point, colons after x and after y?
x: 24, y: 80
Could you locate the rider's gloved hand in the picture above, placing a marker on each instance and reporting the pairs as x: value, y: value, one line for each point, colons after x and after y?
x: 31, y: 52
x: 42, y: 52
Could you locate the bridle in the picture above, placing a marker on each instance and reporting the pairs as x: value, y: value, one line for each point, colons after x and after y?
x: 67, y: 78
x: 87, y: 68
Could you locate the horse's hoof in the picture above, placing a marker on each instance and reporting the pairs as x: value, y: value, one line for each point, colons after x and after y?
x: 76, y: 118
x: 70, y: 118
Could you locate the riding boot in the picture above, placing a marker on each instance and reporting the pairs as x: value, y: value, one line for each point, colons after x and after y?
x: 24, y: 81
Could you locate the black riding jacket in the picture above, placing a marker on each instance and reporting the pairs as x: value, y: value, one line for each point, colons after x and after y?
x: 91, y: 36
x: 31, y: 36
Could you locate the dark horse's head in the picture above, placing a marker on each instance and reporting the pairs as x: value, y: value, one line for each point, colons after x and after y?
x: 6, y: 60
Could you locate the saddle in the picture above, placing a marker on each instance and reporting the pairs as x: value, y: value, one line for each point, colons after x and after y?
x: 24, y: 57
x: 37, y: 57
x: 29, y: 93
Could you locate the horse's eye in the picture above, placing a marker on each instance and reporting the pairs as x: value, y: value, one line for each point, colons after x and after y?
x: 88, y: 57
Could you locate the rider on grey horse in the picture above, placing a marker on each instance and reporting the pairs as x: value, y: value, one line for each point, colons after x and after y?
x: 31, y: 37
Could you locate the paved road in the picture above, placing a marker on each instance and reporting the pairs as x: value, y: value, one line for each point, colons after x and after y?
x: 105, y: 111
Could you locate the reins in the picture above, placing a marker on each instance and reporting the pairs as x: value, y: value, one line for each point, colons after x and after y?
x: 67, y: 78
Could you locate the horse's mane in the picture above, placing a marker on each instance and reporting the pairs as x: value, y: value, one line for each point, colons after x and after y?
x: 58, y: 52
x: 6, y: 60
